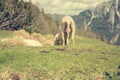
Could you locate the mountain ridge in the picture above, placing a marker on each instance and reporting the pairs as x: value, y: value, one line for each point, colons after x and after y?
x: 103, y: 21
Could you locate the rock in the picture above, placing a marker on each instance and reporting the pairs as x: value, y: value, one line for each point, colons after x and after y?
x: 107, y: 74
x: 119, y: 67
x: 31, y: 42
x: 118, y: 73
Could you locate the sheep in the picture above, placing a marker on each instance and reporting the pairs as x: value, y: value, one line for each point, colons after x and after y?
x: 58, y: 38
x: 66, y: 31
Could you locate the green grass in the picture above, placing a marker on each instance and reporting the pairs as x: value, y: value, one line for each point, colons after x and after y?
x: 88, y: 59
x: 5, y: 34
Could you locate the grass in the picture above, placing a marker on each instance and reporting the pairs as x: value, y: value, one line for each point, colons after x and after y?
x: 88, y: 59
x: 5, y: 34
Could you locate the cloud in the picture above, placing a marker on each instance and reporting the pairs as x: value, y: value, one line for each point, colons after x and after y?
x: 68, y: 7
x: 74, y: 5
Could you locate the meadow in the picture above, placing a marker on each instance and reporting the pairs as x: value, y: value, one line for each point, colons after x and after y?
x: 88, y: 59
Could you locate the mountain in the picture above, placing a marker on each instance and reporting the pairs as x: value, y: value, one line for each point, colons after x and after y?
x: 56, y: 16
x: 103, y: 21
x: 17, y: 14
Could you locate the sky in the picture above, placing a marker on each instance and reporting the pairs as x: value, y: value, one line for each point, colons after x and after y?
x: 66, y: 7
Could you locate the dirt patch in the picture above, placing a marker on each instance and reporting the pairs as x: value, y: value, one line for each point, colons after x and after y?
x: 44, y: 51
x: 15, y: 77
x: 62, y: 49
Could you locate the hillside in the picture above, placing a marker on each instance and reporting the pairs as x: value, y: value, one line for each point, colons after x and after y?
x: 103, y: 21
x: 17, y: 14
x: 23, y: 38
x: 88, y: 59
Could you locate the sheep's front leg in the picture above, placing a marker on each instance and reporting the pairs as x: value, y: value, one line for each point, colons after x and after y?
x: 67, y: 39
x: 63, y: 40
x: 72, y: 38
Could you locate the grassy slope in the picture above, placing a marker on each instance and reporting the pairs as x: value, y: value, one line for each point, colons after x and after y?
x: 88, y: 59
x: 5, y: 34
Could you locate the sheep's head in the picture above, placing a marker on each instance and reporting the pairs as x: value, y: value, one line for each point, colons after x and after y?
x: 57, y: 40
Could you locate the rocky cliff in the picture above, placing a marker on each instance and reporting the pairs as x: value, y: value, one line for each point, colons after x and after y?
x: 103, y: 20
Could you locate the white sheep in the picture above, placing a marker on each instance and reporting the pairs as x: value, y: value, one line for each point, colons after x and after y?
x: 66, y: 31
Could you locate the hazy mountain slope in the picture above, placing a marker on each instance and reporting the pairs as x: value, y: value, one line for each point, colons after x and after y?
x: 103, y: 20
x: 56, y: 16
